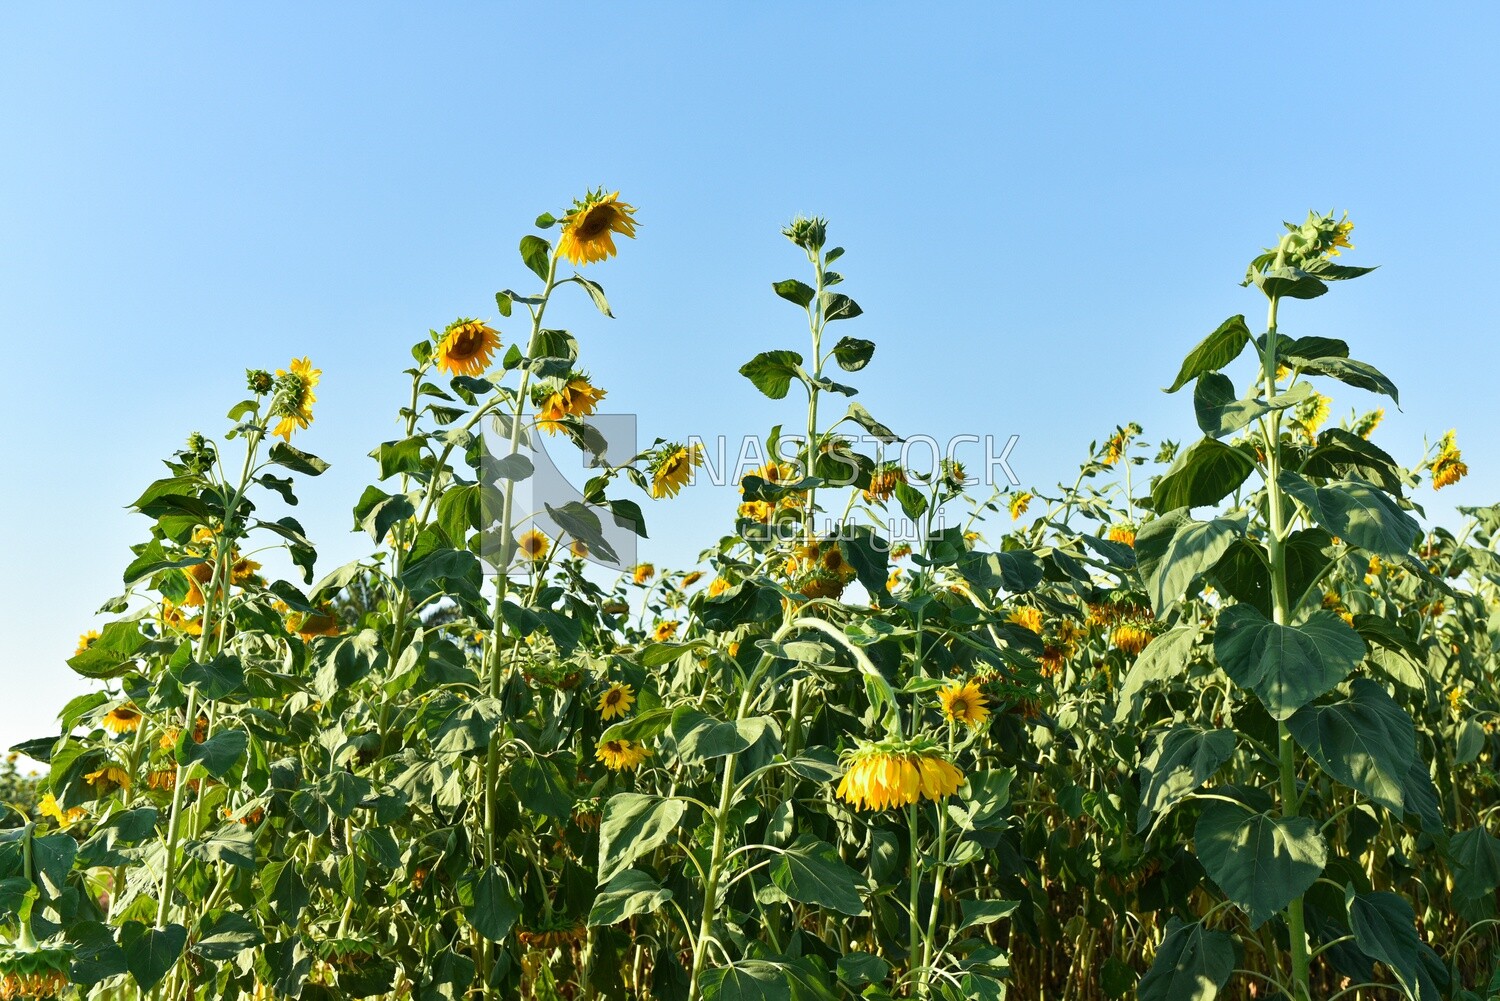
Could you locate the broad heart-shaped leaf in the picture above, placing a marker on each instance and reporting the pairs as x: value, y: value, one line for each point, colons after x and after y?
x: 223, y: 935
x: 792, y: 290
x: 633, y: 825
x: 748, y: 980
x: 535, y: 253
x: 1195, y: 547
x: 1476, y: 852
x: 1286, y: 666
x: 853, y: 353
x: 773, y: 371
x: 811, y: 872
x: 629, y: 893
x: 1214, y: 352
x: 489, y: 904
x: 1385, y: 929
x: 1243, y: 572
x: 1366, y: 516
x: 1366, y: 741
x: 1186, y: 758
x: 1361, y: 375
x: 1165, y: 657
x: 151, y: 952
x: 1221, y: 412
x: 1191, y: 964
x: 1261, y: 862
x: 1205, y: 474
x: 217, y: 754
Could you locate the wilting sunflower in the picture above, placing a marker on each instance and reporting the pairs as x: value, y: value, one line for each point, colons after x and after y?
x: 588, y: 230
x: 48, y: 806
x: 691, y: 579
x: 717, y: 586
x: 37, y: 973
x: 644, y: 572
x: 574, y: 396
x: 86, y: 640
x: 964, y: 703
x: 620, y: 755
x: 672, y: 467
x: 1367, y: 423
x: 897, y: 773
x: 323, y: 621
x: 122, y: 719
x: 108, y: 779
x: 578, y: 548
x: 616, y: 701
x: 292, y: 396
x: 1027, y: 618
x: 1018, y: 505
x: 466, y: 347
x: 1311, y: 413
x: 883, y: 482
x: 1448, y: 468
x: 534, y: 545
x: 1114, y: 448
x: 1123, y: 532
x: 665, y: 630
x: 1341, y: 238
x: 901, y: 550
x: 1130, y: 638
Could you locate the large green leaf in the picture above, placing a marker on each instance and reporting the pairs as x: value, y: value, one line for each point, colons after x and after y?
x: 1351, y: 372
x: 811, y: 872
x: 1261, y: 862
x: 1186, y: 757
x: 633, y: 825
x: 1205, y: 474
x: 1221, y: 412
x: 772, y: 372
x: 223, y: 935
x: 747, y: 980
x: 1385, y: 929
x: 1476, y: 852
x: 1167, y: 656
x: 489, y: 904
x: 630, y: 893
x: 1195, y: 547
x: 1286, y: 666
x: 1191, y: 964
x: 151, y: 952
x: 1366, y: 741
x: 1366, y: 516
x: 1214, y: 352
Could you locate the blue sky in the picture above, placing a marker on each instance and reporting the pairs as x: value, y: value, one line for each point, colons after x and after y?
x: 1045, y: 207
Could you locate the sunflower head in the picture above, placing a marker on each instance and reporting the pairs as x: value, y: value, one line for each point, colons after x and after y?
x: 1131, y: 638
x: 48, y: 806
x: 589, y: 228
x: 717, y: 586
x: 643, y: 572
x: 1311, y: 413
x: 466, y: 346
x: 558, y: 399
x: 895, y: 773
x: 672, y: 468
x: 1448, y: 467
x: 1027, y: 618
x: 258, y: 381
x: 1018, y: 504
x: 808, y: 233
x: 86, y: 640
x: 38, y: 973
x: 1368, y: 422
x: 616, y: 701
x: 883, y: 482
x: 108, y: 778
x: 963, y: 702
x: 665, y: 630
x: 292, y: 396
x: 122, y: 719
x: 535, y: 545
x: 622, y: 755
x: 1124, y: 532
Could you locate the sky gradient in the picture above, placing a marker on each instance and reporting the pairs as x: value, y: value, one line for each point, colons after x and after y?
x: 1044, y: 209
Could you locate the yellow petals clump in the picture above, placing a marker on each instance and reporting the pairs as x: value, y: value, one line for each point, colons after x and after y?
x: 535, y: 545
x: 588, y: 230
x: 622, y: 755
x: 1018, y: 505
x: 665, y: 630
x: 1448, y: 468
x: 34, y: 974
x: 1130, y: 638
x: 964, y: 703
x: 48, y: 806
x: 1027, y: 618
x: 644, y: 572
x: 1123, y: 532
x: 717, y: 586
x: 672, y: 468
x: 574, y: 396
x: 466, y: 348
x: 616, y: 701
x: 86, y: 640
x: 108, y: 779
x: 292, y: 396
x: 122, y: 719
x: 895, y: 774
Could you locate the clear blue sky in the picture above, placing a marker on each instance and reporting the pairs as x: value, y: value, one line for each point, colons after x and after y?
x: 1045, y: 207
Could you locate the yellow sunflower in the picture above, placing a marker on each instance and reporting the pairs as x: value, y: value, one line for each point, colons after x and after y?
x: 35, y: 974
x: 588, y: 230
x: 322, y: 622
x: 578, y: 548
x: 1130, y: 638
x: 622, y: 755
x: 535, y: 546
x: 1366, y: 425
x: 691, y: 579
x: 122, y: 719
x: 171, y: 617
x: 1018, y: 505
x: 466, y: 347
x: 1027, y: 618
x: 1123, y: 532
x: 883, y: 482
x: 1311, y: 414
x: 574, y: 397
x: 964, y: 703
x: 1448, y: 468
x: 86, y: 640
x: 108, y: 779
x: 616, y: 701
x: 665, y: 630
x: 717, y: 586
x: 644, y: 572
x: 48, y: 806
x: 293, y: 396
x: 672, y: 468
x: 897, y: 773
x: 1341, y: 238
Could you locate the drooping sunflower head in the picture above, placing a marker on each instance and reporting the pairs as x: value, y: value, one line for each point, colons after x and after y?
x: 322, y: 621
x: 172, y: 617
x: 1117, y: 444
x: 643, y: 572
x: 1311, y: 413
x: 963, y: 702
x: 122, y: 719
x: 616, y: 701
x: 1019, y: 502
x: 1368, y: 422
x: 1341, y: 237
x: 48, y: 806
x: 622, y: 755
x: 86, y: 640
x: 534, y: 545
x: 883, y: 482
x: 588, y: 230
x: 672, y: 468
x: 895, y: 773
x: 466, y: 347
x: 717, y: 586
x: 665, y: 630
x: 1448, y: 467
x: 1027, y: 618
x: 35, y: 974
x: 108, y: 778
x: 558, y: 399
x: 1123, y: 532
x: 292, y: 396
x: 953, y: 474
x: 690, y: 579
x: 1131, y: 638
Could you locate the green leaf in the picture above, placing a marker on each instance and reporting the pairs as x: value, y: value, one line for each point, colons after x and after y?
x: 747, y: 980
x: 700, y: 737
x: 1220, y: 412
x: 580, y: 522
x: 1339, y: 452
x: 837, y: 306
x: 859, y: 415
x: 1286, y: 666
x: 1361, y: 375
x: 297, y: 460
x: 223, y: 935
x: 858, y: 968
x: 596, y: 293
x: 1191, y: 964
x: 343, y: 792
x: 151, y: 952
x: 1165, y: 657
x: 1385, y: 929
x: 630, y: 893
x: 1476, y: 852
x: 1366, y: 516
x: 489, y: 905
x: 812, y: 873
x: 232, y: 843
x: 220, y: 678
x: 378, y: 511
x: 640, y: 727
x: 772, y: 372
x: 1186, y: 758
x: 794, y: 291
x: 1290, y: 283
x: 1366, y: 741
x: 634, y: 824
x: 217, y: 754
x: 540, y: 787
x: 853, y: 353
x: 535, y: 254
x: 1194, y: 549
x: 1261, y: 862
x: 1205, y: 474
x: 1214, y: 352
x: 404, y: 456
x: 977, y: 913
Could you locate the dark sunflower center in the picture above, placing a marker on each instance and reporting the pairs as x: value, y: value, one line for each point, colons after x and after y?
x: 595, y: 221
x: 960, y: 706
x: 467, y: 341
x: 612, y: 698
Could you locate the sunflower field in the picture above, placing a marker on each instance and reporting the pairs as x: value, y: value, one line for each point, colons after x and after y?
x: 1218, y: 720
